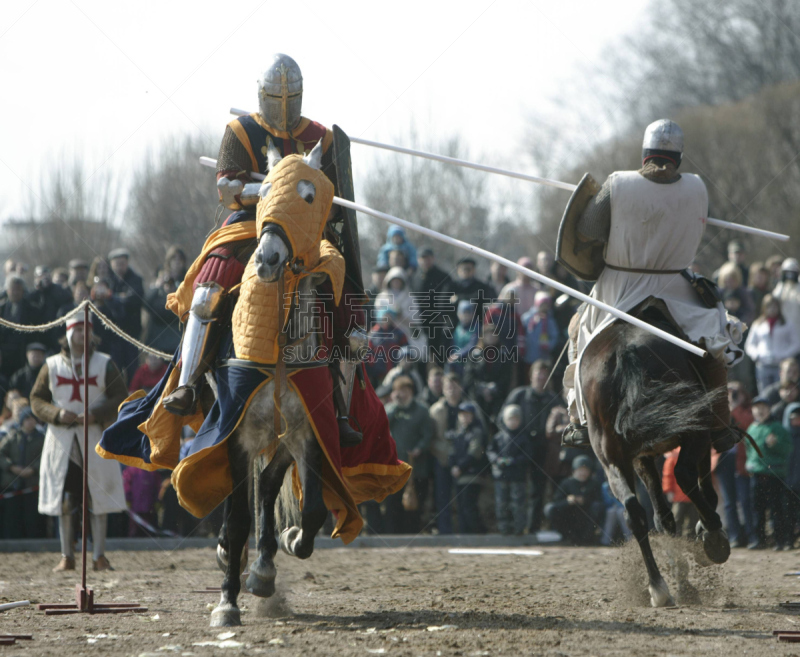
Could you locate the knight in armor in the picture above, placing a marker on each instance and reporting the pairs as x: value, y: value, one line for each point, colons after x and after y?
x: 642, y: 230
x: 244, y: 149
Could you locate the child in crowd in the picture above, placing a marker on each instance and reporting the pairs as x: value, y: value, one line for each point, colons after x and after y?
x: 466, y: 464
x: 541, y: 330
x: 577, y: 509
x: 396, y: 241
x: 682, y: 507
x: 509, y: 455
x: 768, y: 475
x: 466, y: 334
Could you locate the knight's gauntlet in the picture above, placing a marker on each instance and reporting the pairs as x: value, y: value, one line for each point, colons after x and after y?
x: 229, y: 193
x: 201, y: 335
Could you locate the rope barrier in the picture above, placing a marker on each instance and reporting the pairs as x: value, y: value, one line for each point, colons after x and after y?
x: 37, y: 328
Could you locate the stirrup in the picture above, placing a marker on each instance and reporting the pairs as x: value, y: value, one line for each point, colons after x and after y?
x: 575, y: 435
x: 169, y: 402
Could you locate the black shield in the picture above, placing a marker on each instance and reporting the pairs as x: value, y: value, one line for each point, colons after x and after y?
x: 344, y: 186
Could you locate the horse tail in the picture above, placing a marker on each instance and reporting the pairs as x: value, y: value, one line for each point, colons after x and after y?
x: 287, y: 506
x: 649, y: 408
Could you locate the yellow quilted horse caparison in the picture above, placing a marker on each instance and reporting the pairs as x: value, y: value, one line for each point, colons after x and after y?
x: 259, y: 314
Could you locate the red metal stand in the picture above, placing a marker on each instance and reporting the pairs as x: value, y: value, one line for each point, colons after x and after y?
x: 84, y: 596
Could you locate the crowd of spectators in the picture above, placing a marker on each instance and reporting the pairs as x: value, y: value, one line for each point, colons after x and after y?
x: 470, y: 373
x: 118, y: 292
x: 493, y: 462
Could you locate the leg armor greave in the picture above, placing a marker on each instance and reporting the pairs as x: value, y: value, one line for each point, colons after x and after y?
x: 201, y: 335
x: 199, y: 346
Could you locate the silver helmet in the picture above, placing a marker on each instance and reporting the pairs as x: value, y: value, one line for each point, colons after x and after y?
x: 280, y: 93
x: 663, y: 135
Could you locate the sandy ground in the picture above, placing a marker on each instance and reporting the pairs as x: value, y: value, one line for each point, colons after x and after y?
x: 426, y: 601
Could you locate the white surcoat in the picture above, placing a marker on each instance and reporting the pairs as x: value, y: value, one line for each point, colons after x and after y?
x: 657, y: 226
x: 105, y: 477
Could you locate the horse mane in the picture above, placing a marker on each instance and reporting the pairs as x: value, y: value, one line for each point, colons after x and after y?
x: 650, y: 408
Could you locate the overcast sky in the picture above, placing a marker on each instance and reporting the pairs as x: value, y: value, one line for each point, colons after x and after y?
x: 108, y: 80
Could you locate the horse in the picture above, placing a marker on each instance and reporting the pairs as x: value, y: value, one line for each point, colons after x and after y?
x: 256, y: 433
x: 643, y: 397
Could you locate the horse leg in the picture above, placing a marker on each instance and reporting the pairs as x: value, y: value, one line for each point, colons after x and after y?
x: 693, y: 474
x: 226, y: 613
x: 648, y: 473
x: 621, y: 481
x: 261, y: 581
x: 299, y: 541
x: 665, y: 522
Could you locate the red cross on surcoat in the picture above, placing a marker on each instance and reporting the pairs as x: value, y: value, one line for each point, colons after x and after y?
x: 76, y: 385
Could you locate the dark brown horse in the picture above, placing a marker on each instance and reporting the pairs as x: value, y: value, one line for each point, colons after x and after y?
x: 644, y: 397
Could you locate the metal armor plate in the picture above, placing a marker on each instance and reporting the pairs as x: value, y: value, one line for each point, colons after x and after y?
x: 344, y: 185
x: 583, y: 259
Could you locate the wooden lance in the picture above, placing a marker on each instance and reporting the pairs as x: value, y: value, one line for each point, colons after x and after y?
x: 697, y: 351
x: 534, y: 179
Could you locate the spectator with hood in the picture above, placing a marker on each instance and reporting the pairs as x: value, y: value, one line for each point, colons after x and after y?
x: 396, y: 239
x: 787, y: 291
x: 396, y: 294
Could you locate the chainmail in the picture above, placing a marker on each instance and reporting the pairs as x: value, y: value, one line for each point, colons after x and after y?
x: 233, y: 156
x: 595, y: 221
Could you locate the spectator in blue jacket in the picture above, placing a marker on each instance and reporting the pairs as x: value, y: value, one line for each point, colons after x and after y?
x: 466, y: 464
x: 509, y: 455
x: 396, y: 241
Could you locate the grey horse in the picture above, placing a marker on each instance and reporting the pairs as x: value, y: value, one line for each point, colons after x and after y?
x: 255, y: 434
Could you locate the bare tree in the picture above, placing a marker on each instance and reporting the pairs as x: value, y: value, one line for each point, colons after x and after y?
x: 73, y: 215
x: 450, y: 199
x: 173, y: 200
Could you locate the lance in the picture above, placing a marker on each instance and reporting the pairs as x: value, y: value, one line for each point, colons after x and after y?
x: 358, y: 207
x: 534, y: 179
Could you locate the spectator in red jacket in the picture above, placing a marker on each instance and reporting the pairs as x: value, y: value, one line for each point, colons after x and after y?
x: 682, y: 507
x: 148, y: 374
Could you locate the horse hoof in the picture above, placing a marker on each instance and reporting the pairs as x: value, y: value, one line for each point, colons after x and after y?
x: 288, y: 537
x: 226, y: 615
x: 263, y: 588
x: 261, y: 581
x: 660, y: 595
x: 716, y: 546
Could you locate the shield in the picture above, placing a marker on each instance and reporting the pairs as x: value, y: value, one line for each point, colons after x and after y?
x: 581, y: 258
x: 344, y: 187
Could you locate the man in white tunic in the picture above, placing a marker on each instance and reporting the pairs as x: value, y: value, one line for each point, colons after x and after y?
x: 57, y: 399
x: 651, y: 222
